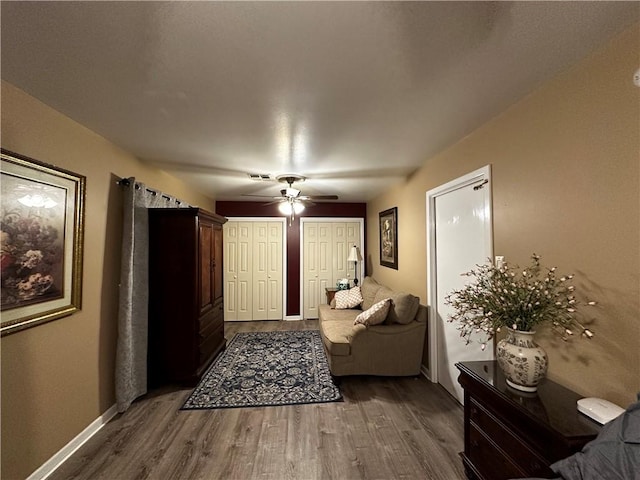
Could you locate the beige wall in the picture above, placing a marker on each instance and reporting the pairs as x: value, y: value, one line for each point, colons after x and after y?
x: 565, y: 164
x: 57, y: 378
x: 565, y: 184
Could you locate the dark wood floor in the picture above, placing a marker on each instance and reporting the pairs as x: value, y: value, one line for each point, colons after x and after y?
x: 386, y: 428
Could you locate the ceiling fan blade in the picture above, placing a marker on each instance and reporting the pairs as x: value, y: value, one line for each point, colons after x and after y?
x: 280, y: 200
x: 318, y: 197
x: 276, y: 197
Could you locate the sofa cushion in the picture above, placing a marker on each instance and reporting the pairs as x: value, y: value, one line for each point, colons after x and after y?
x: 336, y: 336
x: 348, y: 298
x: 382, y: 293
x: 404, y: 308
x: 369, y: 289
x: 374, y: 315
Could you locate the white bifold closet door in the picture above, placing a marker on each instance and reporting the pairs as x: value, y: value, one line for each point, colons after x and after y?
x: 253, y: 269
x: 325, y: 250
x: 267, y: 271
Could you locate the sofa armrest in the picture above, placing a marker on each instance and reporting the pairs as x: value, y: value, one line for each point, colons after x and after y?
x: 359, y: 331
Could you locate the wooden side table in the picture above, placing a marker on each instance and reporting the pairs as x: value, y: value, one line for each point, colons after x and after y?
x: 512, y: 434
x: 331, y: 292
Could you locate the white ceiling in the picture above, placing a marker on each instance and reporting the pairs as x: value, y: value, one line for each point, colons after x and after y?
x: 354, y: 95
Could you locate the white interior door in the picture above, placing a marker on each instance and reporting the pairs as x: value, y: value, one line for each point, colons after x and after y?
x: 317, y: 265
x: 260, y: 271
x: 340, y: 252
x: 244, y: 304
x: 325, y: 248
x: 238, y: 276
x: 254, y: 267
x: 230, y: 257
x: 354, y: 238
x: 275, y: 271
x: 461, y: 238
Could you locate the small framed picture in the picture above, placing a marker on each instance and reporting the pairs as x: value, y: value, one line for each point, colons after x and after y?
x: 41, y: 238
x: 389, y: 238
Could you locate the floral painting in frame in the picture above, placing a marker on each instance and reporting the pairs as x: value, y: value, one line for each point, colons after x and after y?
x: 41, y: 242
x: 389, y: 238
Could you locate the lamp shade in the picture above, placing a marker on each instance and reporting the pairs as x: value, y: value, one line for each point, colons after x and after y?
x: 286, y: 208
x: 291, y: 207
x: 354, y: 255
x: 298, y: 207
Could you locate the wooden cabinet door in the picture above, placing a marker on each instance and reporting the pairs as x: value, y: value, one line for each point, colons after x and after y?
x: 206, y: 266
x: 217, y: 264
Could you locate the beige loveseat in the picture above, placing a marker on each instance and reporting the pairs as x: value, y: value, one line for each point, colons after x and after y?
x: 393, y: 348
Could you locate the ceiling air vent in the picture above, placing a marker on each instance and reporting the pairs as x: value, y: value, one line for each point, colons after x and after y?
x: 259, y: 177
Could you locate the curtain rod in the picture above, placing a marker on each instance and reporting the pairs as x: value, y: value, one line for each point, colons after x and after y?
x: 127, y: 183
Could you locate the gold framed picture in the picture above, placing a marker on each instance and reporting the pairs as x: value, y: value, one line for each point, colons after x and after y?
x: 389, y: 238
x: 41, y: 242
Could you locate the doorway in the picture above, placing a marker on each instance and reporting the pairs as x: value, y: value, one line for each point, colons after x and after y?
x: 325, y: 244
x: 459, y: 232
x: 254, y: 266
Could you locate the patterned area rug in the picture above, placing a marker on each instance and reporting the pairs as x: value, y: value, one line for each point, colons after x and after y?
x: 267, y: 369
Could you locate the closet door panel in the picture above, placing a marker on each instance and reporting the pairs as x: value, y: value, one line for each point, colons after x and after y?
x: 310, y: 270
x: 253, y: 270
x: 275, y: 271
x: 353, y: 238
x: 245, y: 271
x: 326, y: 246
x: 340, y: 252
x: 231, y: 271
x: 260, y: 266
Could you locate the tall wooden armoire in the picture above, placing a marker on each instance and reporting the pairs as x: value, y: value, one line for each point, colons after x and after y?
x: 186, y: 311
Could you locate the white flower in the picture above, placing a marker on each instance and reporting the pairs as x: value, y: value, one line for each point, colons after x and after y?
x: 522, y: 298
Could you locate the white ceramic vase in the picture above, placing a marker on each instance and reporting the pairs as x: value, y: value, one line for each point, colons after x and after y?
x: 523, y: 362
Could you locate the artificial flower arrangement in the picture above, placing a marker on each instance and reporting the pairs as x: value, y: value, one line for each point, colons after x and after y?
x: 506, y: 296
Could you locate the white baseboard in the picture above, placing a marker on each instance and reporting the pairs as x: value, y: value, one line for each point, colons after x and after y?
x: 292, y: 317
x: 59, y: 458
x: 426, y: 372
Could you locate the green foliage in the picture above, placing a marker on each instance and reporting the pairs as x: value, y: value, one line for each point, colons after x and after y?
x: 518, y: 299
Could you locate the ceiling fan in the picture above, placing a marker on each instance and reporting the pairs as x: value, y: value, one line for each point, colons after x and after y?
x: 290, y: 200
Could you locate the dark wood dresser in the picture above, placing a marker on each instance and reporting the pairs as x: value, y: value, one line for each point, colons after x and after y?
x: 512, y: 434
x: 186, y: 312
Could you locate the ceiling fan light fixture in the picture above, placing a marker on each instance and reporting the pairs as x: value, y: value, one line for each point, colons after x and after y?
x: 292, y: 192
x: 298, y: 207
x: 286, y: 208
x: 291, y: 208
